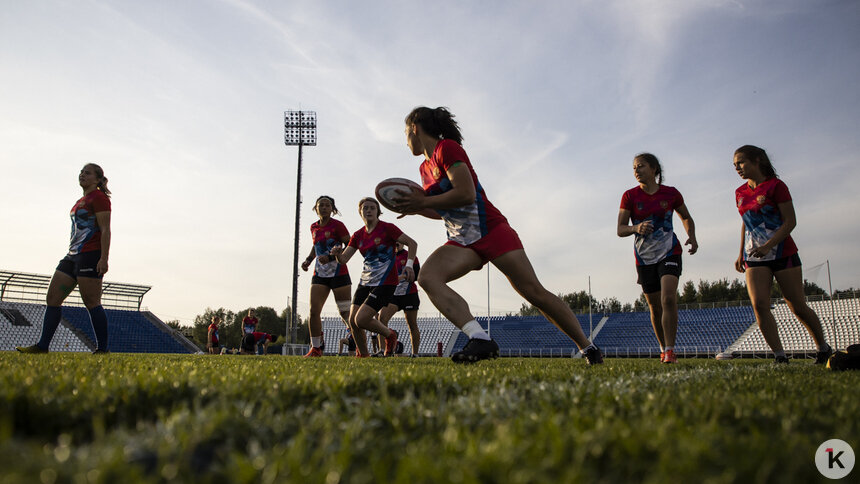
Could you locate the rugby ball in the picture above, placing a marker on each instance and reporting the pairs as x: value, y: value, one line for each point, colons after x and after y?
x: 391, y: 188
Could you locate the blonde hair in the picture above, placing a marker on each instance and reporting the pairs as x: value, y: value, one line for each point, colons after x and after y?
x: 370, y: 199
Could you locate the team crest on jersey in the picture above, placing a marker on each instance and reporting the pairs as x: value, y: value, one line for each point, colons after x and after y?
x: 437, y: 173
x: 639, y: 206
x: 327, y: 234
x: 740, y: 201
x: 664, y: 204
x: 761, y: 199
x: 377, y: 240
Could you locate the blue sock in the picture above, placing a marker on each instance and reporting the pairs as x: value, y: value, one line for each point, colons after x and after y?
x: 53, y: 314
x: 98, y: 318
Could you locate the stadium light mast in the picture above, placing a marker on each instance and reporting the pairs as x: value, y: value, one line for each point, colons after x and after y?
x: 300, y: 129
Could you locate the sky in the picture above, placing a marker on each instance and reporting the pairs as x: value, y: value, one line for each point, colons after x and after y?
x: 182, y: 105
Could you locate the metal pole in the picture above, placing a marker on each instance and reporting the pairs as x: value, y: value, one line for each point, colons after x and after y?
x: 295, y: 329
x: 832, y: 309
x: 590, y: 323
x: 488, y: 299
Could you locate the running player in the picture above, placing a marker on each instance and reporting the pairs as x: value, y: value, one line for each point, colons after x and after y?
x: 329, y: 276
x: 477, y: 233
x: 405, y: 299
x: 212, y: 342
x: 655, y: 246
x: 379, y: 279
x: 768, y: 251
x: 85, y: 264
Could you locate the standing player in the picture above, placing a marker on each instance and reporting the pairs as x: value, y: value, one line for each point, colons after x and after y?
x: 657, y: 249
x: 768, y: 251
x: 477, y: 233
x: 212, y: 341
x: 379, y: 279
x: 329, y: 276
x: 405, y: 299
x: 85, y: 264
x: 249, y: 322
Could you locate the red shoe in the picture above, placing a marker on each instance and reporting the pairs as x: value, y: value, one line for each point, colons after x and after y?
x: 314, y: 352
x: 669, y: 357
x: 662, y: 356
x: 359, y: 355
x: 390, y: 343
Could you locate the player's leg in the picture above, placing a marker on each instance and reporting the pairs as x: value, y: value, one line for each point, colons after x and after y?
x: 319, y: 295
x: 60, y: 287
x: 342, y: 296
x: 91, y: 293
x: 759, y: 283
x: 669, y: 319
x: 516, y: 266
x: 414, y: 334
x: 446, y: 264
x: 791, y: 283
x: 655, y: 307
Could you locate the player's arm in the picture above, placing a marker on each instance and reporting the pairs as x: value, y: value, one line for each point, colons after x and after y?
x: 739, y: 262
x: 789, y: 221
x: 310, y: 258
x: 462, y: 193
x: 626, y: 230
x: 103, y: 220
x: 341, y: 255
x: 689, y: 227
x: 408, y: 272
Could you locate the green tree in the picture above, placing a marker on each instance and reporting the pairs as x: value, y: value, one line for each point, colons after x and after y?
x: 227, y: 332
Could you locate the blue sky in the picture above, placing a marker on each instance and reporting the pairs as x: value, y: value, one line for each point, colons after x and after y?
x: 182, y: 104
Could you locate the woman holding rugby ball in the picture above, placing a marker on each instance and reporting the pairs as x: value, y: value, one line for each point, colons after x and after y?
x: 768, y: 251
x: 657, y: 249
x: 477, y: 233
x: 376, y: 242
x: 85, y: 264
x: 329, y: 276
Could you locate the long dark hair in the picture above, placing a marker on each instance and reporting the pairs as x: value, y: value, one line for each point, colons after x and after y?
x: 438, y: 122
x: 102, y: 184
x: 758, y: 155
x: 334, y: 210
x: 654, y: 163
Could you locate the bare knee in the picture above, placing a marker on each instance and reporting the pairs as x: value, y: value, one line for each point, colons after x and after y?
x: 669, y: 301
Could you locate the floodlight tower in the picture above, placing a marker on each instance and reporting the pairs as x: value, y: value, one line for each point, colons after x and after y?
x: 300, y: 129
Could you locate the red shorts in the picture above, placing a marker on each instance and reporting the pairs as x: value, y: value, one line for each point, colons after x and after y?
x: 501, y: 240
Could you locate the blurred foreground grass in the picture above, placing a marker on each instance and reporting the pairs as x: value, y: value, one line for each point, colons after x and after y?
x: 154, y: 418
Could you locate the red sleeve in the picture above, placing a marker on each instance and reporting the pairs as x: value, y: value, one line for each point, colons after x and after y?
x: 450, y: 153
x: 679, y: 199
x: 780, y: 192
x: 626, y: 203
x: 355, y: 240
x: 101, y: 202
x: 341, y: 231
x: 394, y: 231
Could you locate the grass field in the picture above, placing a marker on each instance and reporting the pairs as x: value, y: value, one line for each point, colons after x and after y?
x: 154, y: 418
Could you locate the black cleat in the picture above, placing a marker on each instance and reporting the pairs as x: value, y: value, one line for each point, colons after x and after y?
x: 781, y: 360
x: 593, y: 355
x: 35, y: 349
x: 476, y: 350
x: 821, y: 357
x: 101, y: 352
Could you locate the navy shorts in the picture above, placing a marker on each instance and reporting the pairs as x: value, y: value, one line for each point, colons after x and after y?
x: 376, y: 297
x: 406, y: 302
x: 650, y: 274
x: 332, y: 282
x: 81, y: 265
x: 776, y: 265
x: 350, y: 343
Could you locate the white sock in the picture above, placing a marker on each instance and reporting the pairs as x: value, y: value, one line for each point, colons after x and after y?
x: 316, y: 341
x: 474, y: 331
x: 670, y: 348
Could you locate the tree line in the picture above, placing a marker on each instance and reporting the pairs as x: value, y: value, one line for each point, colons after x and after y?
x: 230, y: 329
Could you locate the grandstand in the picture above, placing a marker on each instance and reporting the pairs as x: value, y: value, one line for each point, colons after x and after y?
x: 703, y: 331
x: 130, y: 329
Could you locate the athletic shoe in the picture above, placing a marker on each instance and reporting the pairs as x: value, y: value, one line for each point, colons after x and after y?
x: 101, y: 352
x: 662, y: 356
x: 822, y: 356
x: 593, y: 355
x: 413, y: 355
x: 781, y: 359
x: 669, y: 357
x: 390, y: 343
x: 476, y: 350
x: 359, y: 355
x: 314, y: 352
x: 30, y: 349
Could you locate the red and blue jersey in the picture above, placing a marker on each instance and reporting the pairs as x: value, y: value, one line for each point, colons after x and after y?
x: 214, y: 338
x: 86, y: 235
x: 326, y: 237
x: 249, y: 324
x: 465, y: 224
x: 377, y: 247
x: 658, y: 208
x: 259, y: 336
x: 405, y: 287
x: 759, y: 209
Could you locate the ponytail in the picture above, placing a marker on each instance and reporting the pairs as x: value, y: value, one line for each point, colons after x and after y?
x: 654, y: 163
x: 103, y: 181
x: 438, y: 123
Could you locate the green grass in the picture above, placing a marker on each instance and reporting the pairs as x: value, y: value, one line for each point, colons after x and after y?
x: 141, y: 418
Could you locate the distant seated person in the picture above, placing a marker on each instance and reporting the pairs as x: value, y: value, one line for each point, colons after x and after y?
x: 251, y: 341
x: 349, y: 342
